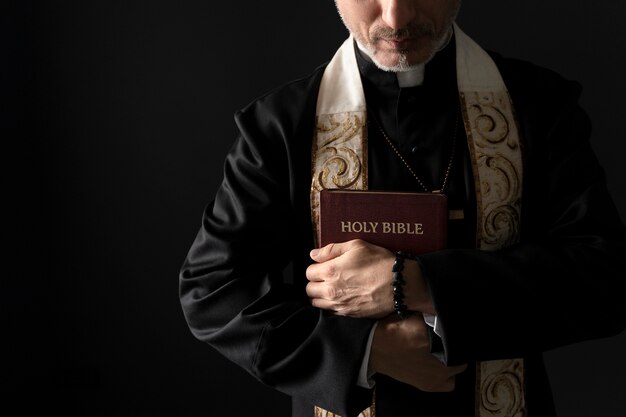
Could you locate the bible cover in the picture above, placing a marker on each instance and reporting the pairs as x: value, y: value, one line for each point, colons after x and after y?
x: 409, y: 222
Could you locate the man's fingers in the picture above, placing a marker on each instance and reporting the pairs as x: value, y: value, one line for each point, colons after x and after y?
x: 448, y: 385
x: 326, y: 253
x: 322, y: 295
x: 314, y: 273
x: 314, y: 289
x: 323, y: 290
x: 321, y: 272
x: 323, y: 304
x: 332, y: 250
x: 455, y: 370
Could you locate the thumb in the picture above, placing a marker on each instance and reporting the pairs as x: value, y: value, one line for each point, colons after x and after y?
x: 328, y: 252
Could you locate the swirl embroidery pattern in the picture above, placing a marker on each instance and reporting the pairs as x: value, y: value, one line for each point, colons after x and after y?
x: 339, y: 156
x: 502, y: 380
x: 494, y: 144
x: 496, y: 152
x: 320, y: 412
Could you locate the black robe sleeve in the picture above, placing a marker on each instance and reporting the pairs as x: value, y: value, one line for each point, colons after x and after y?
x: 565, y: 281
x: 232, y: 288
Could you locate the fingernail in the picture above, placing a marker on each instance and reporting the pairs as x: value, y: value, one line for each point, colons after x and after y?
x: 314, y: 253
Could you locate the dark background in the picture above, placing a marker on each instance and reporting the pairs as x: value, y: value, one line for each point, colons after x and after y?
x: 116, y: 116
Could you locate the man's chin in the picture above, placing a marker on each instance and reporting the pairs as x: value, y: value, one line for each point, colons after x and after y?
x: 399, y: 61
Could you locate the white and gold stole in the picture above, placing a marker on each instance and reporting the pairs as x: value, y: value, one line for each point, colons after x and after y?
x: 339, y: 160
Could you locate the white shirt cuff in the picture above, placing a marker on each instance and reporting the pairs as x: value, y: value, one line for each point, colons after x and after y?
x: 365, y: 377
x: 431, y: 320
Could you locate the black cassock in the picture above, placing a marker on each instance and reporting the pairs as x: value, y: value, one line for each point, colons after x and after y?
x: 563, y: 283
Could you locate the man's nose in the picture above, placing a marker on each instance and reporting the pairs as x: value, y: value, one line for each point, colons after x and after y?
x: 397, y: 13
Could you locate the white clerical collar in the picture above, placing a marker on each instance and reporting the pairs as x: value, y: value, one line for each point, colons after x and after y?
x: 410, y: 78
x: 415, y: 76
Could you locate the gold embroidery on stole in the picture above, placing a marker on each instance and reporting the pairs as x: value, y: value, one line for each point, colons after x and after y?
x: 496, y: 155
x: 368, y: 412
x: 339, y: 157
x: 320, y: 412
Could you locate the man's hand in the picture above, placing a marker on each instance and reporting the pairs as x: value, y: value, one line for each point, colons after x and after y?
x: 400, y: 350
x: 354, y: 279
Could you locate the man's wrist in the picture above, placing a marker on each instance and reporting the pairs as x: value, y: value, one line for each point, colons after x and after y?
x: 417, y: 296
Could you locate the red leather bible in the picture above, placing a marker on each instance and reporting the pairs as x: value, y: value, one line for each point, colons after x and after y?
x: 409, y: 222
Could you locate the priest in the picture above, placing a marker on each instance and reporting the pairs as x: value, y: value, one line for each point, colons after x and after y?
x: 410, y: 103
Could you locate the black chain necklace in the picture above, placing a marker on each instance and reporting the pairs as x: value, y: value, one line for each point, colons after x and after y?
x: 408, y: 166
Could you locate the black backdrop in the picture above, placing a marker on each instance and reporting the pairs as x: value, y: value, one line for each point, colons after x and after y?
x: 116, y: 118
